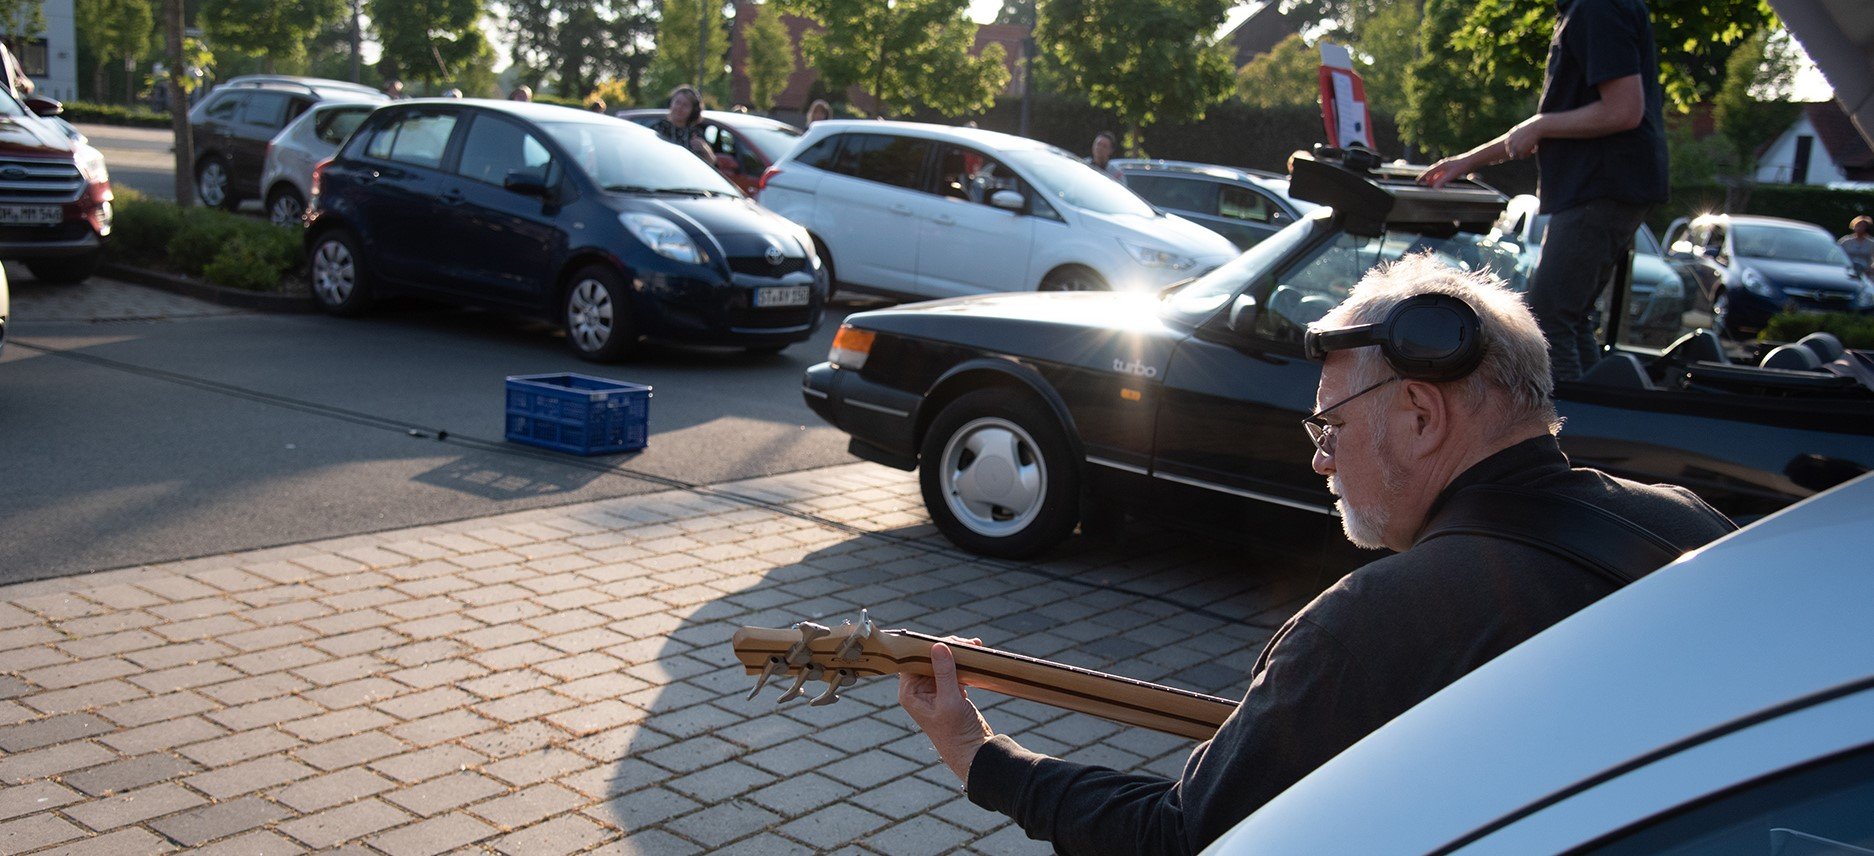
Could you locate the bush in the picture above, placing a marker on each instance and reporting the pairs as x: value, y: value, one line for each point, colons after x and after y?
x: 1854, y: 331
x: 255, y: 259
x: 141, y: 231
x: 114, y: 114
x: 203, y: 234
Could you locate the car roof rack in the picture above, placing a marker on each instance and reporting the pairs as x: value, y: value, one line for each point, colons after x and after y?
x: 1369, y: 195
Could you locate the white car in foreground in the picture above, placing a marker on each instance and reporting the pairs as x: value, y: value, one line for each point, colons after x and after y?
x: 915, y: 210
x: 1724, y: 704
x: 286, y: 179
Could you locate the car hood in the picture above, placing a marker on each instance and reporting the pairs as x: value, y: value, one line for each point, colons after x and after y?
x: 723, y: 215
x: 1727, y: 633
x: 1816, y: 275
x: 1106, y: 331
x: 28, y: 137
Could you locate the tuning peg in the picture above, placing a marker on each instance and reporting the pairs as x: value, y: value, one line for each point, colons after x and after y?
x: 811, y: 673
x: 800, y: 653
x: 854, y: 644
x: 776, y: 666
x: 834, y: 682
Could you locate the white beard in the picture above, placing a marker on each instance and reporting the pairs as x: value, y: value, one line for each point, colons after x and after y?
x: 1366, y: 527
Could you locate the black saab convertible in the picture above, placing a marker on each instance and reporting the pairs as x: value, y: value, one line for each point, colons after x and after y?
x: 1026, y: 412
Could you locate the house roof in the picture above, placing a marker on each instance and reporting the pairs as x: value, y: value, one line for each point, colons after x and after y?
x: 1258, y: 34
x: 1838, y: 137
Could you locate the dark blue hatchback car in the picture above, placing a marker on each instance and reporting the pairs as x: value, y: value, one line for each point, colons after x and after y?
x: 585, y: 219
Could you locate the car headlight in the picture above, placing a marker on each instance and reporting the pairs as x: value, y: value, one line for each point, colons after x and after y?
x: 91, y: 165
x: 664, y: 237
x: 1756, y: 284
x: 1153, y: 257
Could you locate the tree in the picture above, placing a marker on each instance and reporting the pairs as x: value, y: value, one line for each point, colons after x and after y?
x: 21, y: 18
x: 1146, y: 60
x: 679, y: 35
x: 1507, y: 41
x: 434, y: 42
x: 1752, y: 108
x: 117, y: 32
x: 276, y: 31
x: 1289, y: 74
x: 1449, y: 107
x: 581, y: 42
x: 1385, y: 41
x: 770, y: 56
x: 907, y: 54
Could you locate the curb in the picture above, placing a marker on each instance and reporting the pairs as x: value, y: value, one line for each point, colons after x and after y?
x: 222, y: 295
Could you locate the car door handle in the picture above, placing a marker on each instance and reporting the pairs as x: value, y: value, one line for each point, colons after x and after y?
x: 901, y: 209
x: 943, y: 220
x: 452, y: 196
x: 368, y: 177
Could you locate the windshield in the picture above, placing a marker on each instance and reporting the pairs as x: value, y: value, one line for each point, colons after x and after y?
x: 1064, y: 180
x: 619, y: 159
x: 1199, y: 300
x: 773, y: 142
x: 1787, y: 245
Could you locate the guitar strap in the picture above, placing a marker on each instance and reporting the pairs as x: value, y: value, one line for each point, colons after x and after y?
x: 1582, y: 533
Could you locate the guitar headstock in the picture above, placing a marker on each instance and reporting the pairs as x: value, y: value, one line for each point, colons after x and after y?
x: 815, y: 652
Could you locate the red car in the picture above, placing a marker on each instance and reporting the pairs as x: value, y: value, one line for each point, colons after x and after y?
x: 745, y: 145
x: 55, y: 195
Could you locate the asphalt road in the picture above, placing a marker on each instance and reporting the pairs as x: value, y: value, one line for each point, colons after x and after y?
x: 143, y: 159
x: 135, y: 441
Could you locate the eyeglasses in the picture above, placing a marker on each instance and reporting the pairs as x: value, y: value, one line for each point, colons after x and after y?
x: 1321, y: 432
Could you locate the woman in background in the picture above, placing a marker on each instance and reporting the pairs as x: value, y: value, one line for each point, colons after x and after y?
x: 683, y: 125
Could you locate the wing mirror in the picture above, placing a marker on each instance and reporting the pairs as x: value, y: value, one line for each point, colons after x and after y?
x: 44, y: 106
x: 1007, y: 200
x: 1243, y: 314
x: 527, y: 182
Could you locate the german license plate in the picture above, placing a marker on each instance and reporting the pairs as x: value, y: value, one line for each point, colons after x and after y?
x: 31, y: 215
x: 782, y: 295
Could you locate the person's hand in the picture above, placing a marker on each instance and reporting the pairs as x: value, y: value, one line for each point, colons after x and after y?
x: 702, y: 148
x: 1522, y: 140
x: 1438, y: 174
x: 940, y: 706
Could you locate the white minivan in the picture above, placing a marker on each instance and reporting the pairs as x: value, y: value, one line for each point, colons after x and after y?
x: 915, y: 210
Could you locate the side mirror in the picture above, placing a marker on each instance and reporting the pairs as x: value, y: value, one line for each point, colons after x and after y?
x: 1007, y: 200
x: 1680, y: 248
x: 44, y: 106
x: 1243, y: 314
x: 527, y: 182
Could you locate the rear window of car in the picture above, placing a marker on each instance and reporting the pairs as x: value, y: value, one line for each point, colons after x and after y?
x: 337, y: 123
x: 820, y: 154
x: 266, y: 110
x: 222, y: 107
x: 897, y: 161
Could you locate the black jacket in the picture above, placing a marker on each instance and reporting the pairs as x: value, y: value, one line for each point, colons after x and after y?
x: 1377, y: 642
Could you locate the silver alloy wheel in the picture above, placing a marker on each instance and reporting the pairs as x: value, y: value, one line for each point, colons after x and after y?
x: 286, y: 209
x: 994, y: 479
x: 334, y: 272
x: 1078, y: 280
x: 211, y: 186
x: 589, y: 314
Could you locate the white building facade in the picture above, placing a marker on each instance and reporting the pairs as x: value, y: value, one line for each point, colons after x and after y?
x: 50, y: 58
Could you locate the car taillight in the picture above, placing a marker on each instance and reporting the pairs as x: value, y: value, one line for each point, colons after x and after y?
x: 763, y: 183
x: 850, y: 347
x: 318, y: 173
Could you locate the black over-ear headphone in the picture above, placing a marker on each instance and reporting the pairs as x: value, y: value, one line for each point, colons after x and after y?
x: 1430, y: 337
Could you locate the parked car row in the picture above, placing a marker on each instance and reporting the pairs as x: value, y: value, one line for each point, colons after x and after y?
x: 232, y: 127
x: 1752, y: 267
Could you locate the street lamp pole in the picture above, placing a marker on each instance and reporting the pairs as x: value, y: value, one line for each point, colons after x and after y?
x: 357, y: 61
x: 702, y: 45
x: 1028, y: 66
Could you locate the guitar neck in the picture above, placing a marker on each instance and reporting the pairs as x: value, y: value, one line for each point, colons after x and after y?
x: 1113, y: 697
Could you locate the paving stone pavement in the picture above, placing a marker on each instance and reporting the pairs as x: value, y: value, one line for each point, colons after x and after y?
x: 560, y: 680
x: 99, y: 299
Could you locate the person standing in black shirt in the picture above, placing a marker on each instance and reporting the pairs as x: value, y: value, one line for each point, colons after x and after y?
x: 1396, y: 451
x: 1600, y: 144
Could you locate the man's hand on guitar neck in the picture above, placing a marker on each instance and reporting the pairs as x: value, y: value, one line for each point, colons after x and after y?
x: 941, y: 707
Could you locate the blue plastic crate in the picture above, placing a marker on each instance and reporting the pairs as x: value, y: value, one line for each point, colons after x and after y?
x: 578, y: 413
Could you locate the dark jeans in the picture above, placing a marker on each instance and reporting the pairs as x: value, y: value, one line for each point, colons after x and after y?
x: 1584, y: 248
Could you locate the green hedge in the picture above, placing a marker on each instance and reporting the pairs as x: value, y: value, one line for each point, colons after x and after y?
x: 114, y: 114
x: 222, y: 248
x: 1854, y: 331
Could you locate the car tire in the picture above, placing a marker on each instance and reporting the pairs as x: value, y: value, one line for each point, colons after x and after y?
x: 826, y: 261
x: 285, y: 207
x: 339, y: 283
x: 214, y: 185
x: 998, y: 475
x: 595, y: 311
x: 66, y: 271
x: 1073, y: 278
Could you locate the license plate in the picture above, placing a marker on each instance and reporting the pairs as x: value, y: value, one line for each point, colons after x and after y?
x: 782, y: 295
x: 31, y: 215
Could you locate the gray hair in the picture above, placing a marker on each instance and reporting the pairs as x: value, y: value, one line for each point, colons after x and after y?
x: 1515, y: 367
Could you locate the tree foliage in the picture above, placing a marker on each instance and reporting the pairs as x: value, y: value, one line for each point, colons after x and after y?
x: 908, y: 54
x: 770, y: 56
x: 679, y: 36
x: 1750, y: 109
x: 117, y: 34
x: 1385, y: 42
x: 1449, y: 107
x: 1289, y: 74
x: 437, y: 43
x: 19, y: 17
x: 275, y: 31
x: 1146, y: 60
x: 580, y: 42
